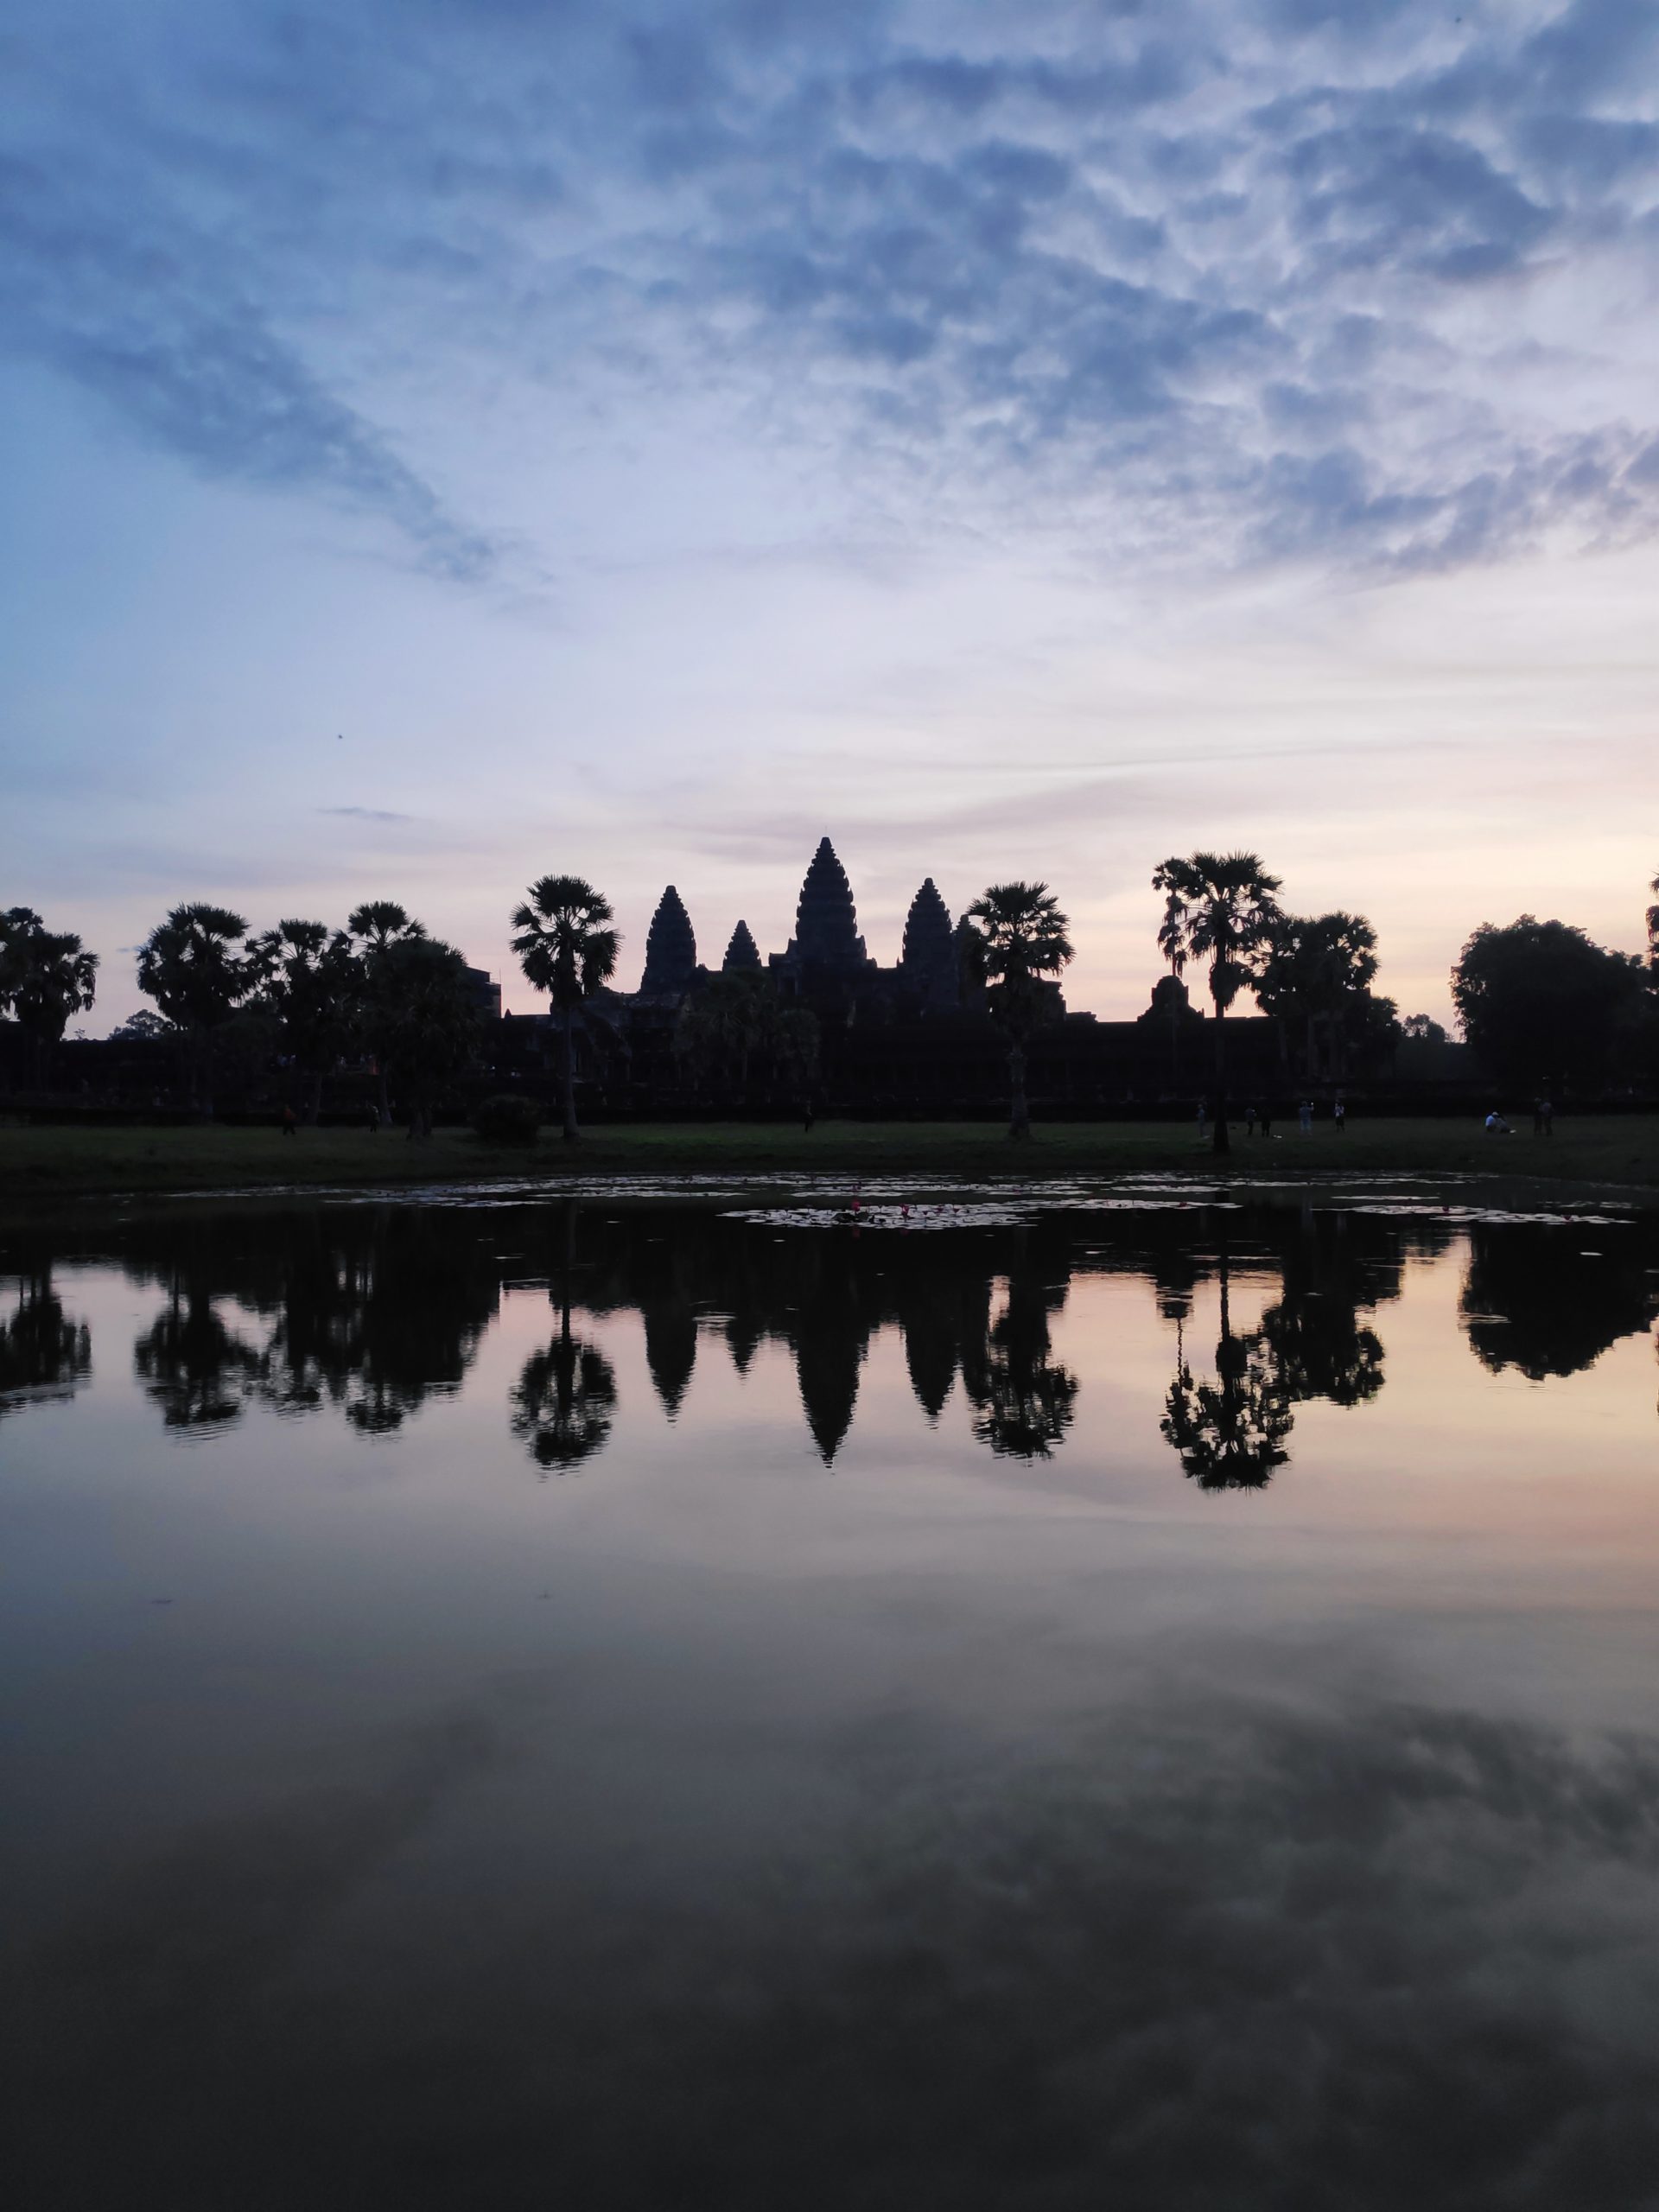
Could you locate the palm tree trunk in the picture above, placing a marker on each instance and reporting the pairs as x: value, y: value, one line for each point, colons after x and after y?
x: 1222, y: 1142
x: 571, y: 1132
x: 568, y: 1212
x: 1018, y: 1111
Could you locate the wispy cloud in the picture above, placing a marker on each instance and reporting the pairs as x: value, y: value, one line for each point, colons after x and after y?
x: 1230, y: 281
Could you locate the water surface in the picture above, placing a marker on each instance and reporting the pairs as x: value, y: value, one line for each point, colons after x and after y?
x: 635, y: 1703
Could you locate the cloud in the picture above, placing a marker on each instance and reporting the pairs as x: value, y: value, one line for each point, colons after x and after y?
x: 1097, y: 273
x: 158, y: 327
x: 367, y: 814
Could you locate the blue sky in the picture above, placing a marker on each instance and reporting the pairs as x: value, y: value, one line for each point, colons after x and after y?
x: 450, y: 442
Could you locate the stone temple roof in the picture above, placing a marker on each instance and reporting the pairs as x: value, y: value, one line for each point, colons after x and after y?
x: 671, y: 946
x: 928, y: 938
x: 929, y: 958
x: 742, y: 952
x: 826, y: 924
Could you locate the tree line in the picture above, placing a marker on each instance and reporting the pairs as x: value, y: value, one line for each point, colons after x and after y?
x: 1541, y: 1003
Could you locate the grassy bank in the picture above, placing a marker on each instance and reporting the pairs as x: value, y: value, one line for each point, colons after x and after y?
x: 1613, y: 1151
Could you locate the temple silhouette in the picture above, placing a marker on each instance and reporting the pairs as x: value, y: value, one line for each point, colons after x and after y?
x: 912, y: 1038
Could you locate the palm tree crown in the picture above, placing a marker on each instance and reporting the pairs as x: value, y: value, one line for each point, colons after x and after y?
x: 565, y: 943
x: 191, y: 966
x: 1218, y: 907
x: 380, y: 922
x: 1023, y: 936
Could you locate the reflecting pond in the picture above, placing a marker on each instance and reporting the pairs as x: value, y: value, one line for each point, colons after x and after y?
x: 991, y: 1702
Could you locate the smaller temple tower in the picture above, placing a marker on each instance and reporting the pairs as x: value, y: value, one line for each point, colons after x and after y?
x: 928, y: 962
x: 671, y: 948
x: 743, y: 953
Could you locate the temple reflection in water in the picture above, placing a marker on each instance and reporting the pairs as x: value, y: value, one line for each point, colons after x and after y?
x: 369, y: 1311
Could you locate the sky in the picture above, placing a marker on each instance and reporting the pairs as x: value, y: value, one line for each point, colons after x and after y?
x: 448, y: 441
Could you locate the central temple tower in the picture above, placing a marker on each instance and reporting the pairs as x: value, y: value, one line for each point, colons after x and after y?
x: 826, y: 948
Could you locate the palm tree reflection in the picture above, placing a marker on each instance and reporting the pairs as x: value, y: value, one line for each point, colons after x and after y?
x: 1023, y: 1399
x: 565, y: 1399
x: 1230, y: 1433
x: 194, y: 1367
x: 43, y: 1354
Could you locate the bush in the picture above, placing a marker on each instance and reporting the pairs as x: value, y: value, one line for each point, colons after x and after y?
x: 508, y: 1118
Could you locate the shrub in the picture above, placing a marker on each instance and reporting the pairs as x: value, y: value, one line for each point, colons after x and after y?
x: 508, y: 1118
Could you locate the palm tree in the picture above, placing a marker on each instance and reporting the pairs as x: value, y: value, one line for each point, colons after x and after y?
x: 1653, y: 928
x: 193, y: 966
x: 1022, y: 935
x: 313, y: 982
x: 568, y: 949
x: 377, y: 925
x: 1218, y: 907
x: 45, y: 976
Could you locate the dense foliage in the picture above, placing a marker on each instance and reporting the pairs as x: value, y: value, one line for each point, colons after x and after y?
x: 1543, y: 1004
x: 508, y: 1118
x: 1316, y: 979
x: 45, y: 976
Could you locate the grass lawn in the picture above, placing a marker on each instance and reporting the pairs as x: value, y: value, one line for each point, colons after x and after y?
x: 1608, y: 1151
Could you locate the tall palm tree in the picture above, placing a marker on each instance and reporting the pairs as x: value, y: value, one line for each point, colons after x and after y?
x: 45, y: 976
x: 375, y: 926
x: 191, y: 964
x: 1218, y: 907
x: 1023, y: 947
x: 567, y: 948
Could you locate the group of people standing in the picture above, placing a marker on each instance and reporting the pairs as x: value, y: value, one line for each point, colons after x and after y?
x: 1261, y: 1117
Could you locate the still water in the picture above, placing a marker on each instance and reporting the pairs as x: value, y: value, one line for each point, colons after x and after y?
x: 626, y: 1702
